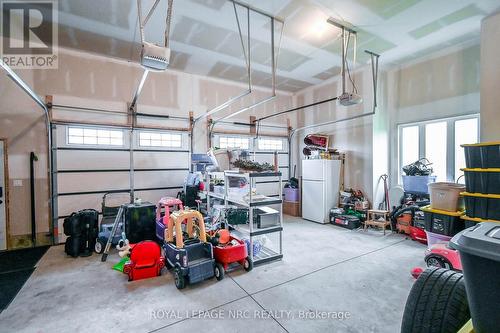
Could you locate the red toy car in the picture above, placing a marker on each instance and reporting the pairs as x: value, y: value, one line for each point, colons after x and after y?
x: 145, y: 261
x: 164, y: 207
x: 228, y: 250
x: 441, y: 255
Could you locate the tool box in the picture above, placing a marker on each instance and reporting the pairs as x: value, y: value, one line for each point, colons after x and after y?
x: 346, y: 221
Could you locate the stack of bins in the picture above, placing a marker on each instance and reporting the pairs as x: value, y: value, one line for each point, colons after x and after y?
x: 443, y: 215
x: 482, y: 183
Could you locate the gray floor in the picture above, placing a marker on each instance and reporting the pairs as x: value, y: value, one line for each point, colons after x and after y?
x: 327, y: 273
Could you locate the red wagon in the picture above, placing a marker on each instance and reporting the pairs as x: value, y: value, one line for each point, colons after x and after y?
x: 229, y: 250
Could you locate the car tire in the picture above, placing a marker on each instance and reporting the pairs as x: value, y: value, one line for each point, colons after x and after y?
x: 248, y: 264
x: 219, y: 271
x: 437, y: 303
x: 180, y: 280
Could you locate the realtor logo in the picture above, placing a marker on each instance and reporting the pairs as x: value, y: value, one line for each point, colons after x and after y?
x: 29, y: 31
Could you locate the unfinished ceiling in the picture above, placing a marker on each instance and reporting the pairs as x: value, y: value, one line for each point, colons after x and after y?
x: 205, y: 39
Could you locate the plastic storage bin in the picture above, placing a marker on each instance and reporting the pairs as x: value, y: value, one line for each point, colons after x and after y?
x: 484, y: 206
x: 479, y: 250
x: 472, y: 221
x: 417, y: 184
x: 433, y: 238
x: 482, y: 155
x: 291, y: 194
x: 446, y: 196
x: 485, y: 181
x: 443, y: 222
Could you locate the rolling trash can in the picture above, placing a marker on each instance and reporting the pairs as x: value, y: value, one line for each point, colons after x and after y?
x: 479, y: 249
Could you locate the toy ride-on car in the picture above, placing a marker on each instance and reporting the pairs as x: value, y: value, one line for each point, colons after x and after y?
x: 145, y: 261
x: 227, y: 250
x: 164, y: 207
x: 443, y: 256
x: 188, y: 253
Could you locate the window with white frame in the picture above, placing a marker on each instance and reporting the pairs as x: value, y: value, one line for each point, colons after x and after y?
x: 78, y: 135
x: 155, y: 139
x: 270, y: 144
x: 440, y: 142
x: 233, y: 142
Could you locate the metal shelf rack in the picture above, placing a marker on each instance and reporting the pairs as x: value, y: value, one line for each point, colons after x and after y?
x: 267, y: 250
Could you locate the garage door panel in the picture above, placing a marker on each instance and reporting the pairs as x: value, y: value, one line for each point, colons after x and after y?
x: 155, y: 195
x: 92, y: 181
x: 92, y: 160
x: 269, y: 158
x: 148, y: 179
x: 157, y: 160
x: 73, y: 203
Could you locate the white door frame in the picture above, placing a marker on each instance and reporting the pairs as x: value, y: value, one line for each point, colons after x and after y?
x: 4, y: 206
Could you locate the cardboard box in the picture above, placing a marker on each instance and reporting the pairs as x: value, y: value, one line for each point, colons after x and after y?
x: 291, y: 208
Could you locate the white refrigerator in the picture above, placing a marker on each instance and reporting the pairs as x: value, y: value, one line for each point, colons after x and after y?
x: 320, y: 188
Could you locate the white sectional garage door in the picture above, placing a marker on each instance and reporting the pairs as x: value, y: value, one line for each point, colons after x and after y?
x: 88, y: 168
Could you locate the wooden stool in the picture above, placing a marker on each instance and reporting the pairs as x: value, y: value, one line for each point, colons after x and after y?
x: 373, y: 219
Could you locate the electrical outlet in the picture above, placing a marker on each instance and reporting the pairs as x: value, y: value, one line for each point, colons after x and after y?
x: 18, y: 182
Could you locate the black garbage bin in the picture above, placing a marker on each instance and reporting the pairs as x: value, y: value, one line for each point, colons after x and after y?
x: 479, y: 249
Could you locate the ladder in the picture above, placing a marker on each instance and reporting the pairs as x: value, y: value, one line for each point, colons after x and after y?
x: 118, y: 219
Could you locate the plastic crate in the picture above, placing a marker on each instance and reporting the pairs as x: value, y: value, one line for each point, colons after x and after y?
x: 443, y: 222
x: 486, y: 181
x: 472, y: 221
x: 446, y: 196
x: 482, y: 155
x: 484, y: 206
x: 417, y: 184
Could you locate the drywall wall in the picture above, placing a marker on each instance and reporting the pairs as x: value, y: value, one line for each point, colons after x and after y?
x: 92, y: 81
x: 443, y: 84
x: 490, y: 78
x: 354, y: 138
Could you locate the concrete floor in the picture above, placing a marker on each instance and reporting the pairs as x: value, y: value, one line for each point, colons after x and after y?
x: 326, y: 271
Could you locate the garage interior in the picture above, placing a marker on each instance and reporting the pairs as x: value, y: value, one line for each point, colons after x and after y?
x: 316, y: 137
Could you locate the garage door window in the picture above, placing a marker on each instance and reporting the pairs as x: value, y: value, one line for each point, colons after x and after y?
x: 270, y: 144
x: 150, y: 139
x: 94, y: 136
x: 233, y: 142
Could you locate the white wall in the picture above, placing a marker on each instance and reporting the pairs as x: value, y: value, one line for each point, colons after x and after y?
x: 444, y: 84
x: 490, y: 78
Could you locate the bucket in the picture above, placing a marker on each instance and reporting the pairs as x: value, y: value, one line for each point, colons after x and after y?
x: 446, y: 196
x: 433, y: 238
x: 291, y: 194
x: 479, y: 249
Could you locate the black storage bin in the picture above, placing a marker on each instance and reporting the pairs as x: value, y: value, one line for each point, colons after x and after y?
x: 140, y: 222
x: 482, y: 155
x: 346, y: 221
x: 485, y: 181
x: 443, y: 222
x: 479, y: 250
x: 484, y: 206
x: 472, y: 221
